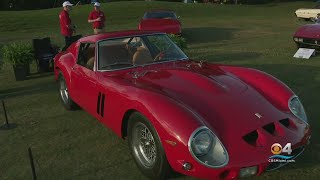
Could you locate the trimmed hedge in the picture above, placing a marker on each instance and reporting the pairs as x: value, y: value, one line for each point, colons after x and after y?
x: 44, y: 4
x: 179, y: 41
x: 17, y: 53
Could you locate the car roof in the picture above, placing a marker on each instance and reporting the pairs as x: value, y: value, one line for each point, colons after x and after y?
x: 116, y: 34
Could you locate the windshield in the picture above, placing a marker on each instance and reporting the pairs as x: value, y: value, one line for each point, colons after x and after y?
x: 129, y: 52
x: 160, y: 15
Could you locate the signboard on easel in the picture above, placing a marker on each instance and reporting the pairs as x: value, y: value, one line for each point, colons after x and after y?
x: 304, y: 53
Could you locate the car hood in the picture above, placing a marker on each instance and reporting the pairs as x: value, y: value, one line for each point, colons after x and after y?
x: 220, y: 100
x: 158, y: 23
x: 309, y: 31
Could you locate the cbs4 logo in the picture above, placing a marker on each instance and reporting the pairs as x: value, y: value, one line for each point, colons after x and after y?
x: 276, y: 148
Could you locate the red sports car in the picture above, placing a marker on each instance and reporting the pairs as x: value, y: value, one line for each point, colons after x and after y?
x: 196, y: 118
x: 161, y: 20
x: 308, y: 36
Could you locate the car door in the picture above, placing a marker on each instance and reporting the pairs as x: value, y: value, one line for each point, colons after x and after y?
x: 84, y: 78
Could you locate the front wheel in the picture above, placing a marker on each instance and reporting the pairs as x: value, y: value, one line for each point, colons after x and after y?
x: 146, y: 148
x: 64, y: 94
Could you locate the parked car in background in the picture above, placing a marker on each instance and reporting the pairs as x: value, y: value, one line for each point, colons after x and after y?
x: 308, y: 36
x: 200, y: 119
x: 161, y: 20
x: 308, y: 13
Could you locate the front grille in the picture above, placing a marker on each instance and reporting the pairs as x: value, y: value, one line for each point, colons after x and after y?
x: 311, y: 41
x: 275, y: 165
x: 296, y: 152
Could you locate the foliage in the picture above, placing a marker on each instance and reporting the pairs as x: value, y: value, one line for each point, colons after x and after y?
x: 44, y: 4
x: 1, y: 64
x: 250, y: 36
x: 1, y: 59
x: 179, y: 41
x: 163, y: 44
x: 17, y: 54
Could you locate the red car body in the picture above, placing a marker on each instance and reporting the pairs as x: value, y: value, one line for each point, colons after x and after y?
x: 167, y: 25
x: 308, y: 36
x: 177, y: 97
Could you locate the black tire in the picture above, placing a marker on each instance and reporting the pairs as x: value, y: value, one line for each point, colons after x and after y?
x: 64, y: 94
x: 158, y: 168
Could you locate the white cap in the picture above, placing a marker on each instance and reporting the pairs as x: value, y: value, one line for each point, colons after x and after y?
x: 66, y: 3
x: 97, y: 4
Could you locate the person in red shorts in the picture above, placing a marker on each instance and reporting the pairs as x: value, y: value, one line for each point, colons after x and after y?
x: 97, y: 18
x: 66, y: 27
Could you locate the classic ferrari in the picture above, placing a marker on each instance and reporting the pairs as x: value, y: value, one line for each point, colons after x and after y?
x: 161, y: 20
x: 192, y: 117
x: 308, y: 36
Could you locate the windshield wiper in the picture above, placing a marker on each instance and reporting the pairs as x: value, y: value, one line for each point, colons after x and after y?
x: 118, y: 63
x: 181, y: 59
x: 171, y: 59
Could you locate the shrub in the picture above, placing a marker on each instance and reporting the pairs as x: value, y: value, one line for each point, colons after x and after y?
x: 17, y: 54
x: 1, y: 63
x: 179, y: 41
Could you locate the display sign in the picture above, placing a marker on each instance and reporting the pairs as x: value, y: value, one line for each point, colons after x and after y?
x: 304, y: 53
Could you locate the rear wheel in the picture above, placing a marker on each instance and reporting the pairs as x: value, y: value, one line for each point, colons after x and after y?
x: 64, y: 94
x: 146, y: 148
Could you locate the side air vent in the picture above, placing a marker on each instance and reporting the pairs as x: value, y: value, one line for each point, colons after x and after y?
x: 285, y: 122
x: 251, y: 138
x: 270, y: 128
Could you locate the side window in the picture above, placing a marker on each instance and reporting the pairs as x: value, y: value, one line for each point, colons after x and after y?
x: 86, y: 57
x: 114, y: 54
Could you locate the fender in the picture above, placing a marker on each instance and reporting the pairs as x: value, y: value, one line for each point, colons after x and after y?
x: 57, y: 67
x: 167, y: 116
x: 63, y: 63
x: 271, y: 88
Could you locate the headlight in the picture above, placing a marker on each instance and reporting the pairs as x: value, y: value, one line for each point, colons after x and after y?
x: 297, y: 109
x: 207, y: 149
x: 297, y: 39
x: 202, y: 143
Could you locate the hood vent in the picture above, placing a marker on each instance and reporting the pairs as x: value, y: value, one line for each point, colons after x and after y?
x: 256, y: 138
x: 285, y: 122
x: 251, y: 138
x: 270, y: 128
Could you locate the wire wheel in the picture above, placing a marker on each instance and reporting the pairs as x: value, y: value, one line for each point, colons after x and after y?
x: 144, y: 146
x: 64, y: 91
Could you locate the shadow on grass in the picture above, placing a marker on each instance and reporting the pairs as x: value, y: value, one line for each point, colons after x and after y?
x: 39, y: 75
x: 28, y: 90
x: 208, y: 34
x: 9, y: 126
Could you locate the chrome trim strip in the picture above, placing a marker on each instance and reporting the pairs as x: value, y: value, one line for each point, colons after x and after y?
x: 132, y: 67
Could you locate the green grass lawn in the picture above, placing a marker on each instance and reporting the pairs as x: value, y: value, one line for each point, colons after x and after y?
x: 73, y: 145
